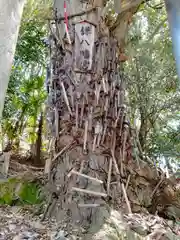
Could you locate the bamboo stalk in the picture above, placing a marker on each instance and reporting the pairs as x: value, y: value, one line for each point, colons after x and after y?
x: 109, y: 176
x: 100, y: 194
x: 126, y: 198
x: 57, y: 122
x: 115, y: 108
x: 159, y: 183
x: 76, y: 116
x: 47, y: 167
x: 81, y: 114
x: 104, y: 85
x: 120, y: 157
x: 72, y: 97
x: 121, y: 122
x: 94, y: 142
x: 66, y: 98
x: 106, y: 104
x: 90, y: 118
x: 86, y: 176
x: 127, y: 182
x: 62, y: 151
x: 85, y: 135
x: 61, y: 131
x: 88, y: 205
x: 122, y: 184
x: 115, y: 163
x: 104, y: 133
x: 114, y: 141
x: 98, y: 139
x: 116, y: 122
x: 98, y: 88
x: 124, y: 143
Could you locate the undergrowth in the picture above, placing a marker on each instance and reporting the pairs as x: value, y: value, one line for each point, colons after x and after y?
x: 19, y: 192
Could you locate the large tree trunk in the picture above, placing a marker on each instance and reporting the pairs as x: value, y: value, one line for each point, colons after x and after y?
x: 10, y: 17
x: 89, y: 118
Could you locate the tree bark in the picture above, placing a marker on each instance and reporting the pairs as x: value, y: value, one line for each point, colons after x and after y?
x: 10, y: 17
x: 89, y: 118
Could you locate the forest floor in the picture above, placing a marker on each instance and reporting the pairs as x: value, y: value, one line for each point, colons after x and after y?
x: 18, y: 223
x: 23, y: 221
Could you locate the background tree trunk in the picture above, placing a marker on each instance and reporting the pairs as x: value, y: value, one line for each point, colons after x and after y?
x: 10, y: 17
x: 39, y: 141
x: 89, y: 118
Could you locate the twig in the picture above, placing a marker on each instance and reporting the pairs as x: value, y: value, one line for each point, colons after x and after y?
x: 100, y: 194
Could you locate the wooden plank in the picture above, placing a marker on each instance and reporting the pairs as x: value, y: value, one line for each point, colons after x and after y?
x: 84, y: 45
